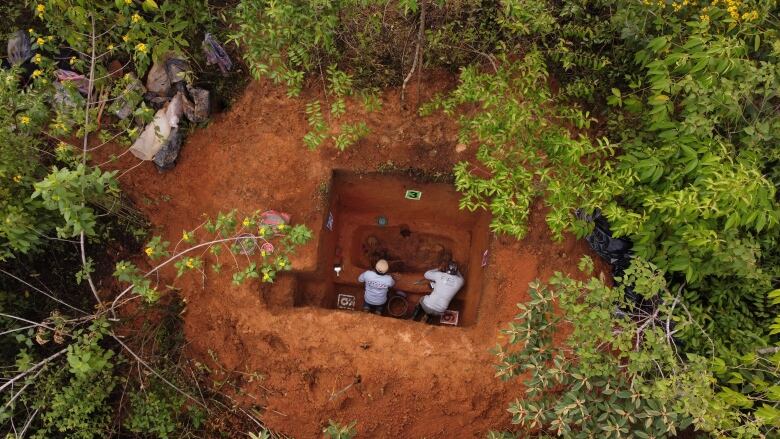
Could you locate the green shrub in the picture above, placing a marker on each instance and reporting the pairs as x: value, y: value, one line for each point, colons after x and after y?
x: 525, y: 149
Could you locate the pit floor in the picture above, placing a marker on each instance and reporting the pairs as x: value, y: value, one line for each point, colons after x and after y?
x: 372, y: 219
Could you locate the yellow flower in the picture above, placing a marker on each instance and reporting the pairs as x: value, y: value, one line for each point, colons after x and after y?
x: 281, y: 227
x: 24, y: 120
x: 110, y: 47
x: 141, y: 47
x: 149, y: 251
x: 261, y: 231
x: 72, y: 60
x: 40, y: 41
x: 37, y: 73
x: 282, y: 264
x: 263, y: 253
x: 190, y: 263
x: 37, y: 59
x: 30, y: 30
x: 136, y: 18
x: 63, y: 147
x: 17, y: 178
x: 50, y: 38
x: 40, y: 9
x: 128, y: 2
x: 246, y: 222
x: 126, y: 37
x: 185, y: 236
x: 266, y: 277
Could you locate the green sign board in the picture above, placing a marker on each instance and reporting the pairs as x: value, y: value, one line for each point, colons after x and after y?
x: 412, y: 194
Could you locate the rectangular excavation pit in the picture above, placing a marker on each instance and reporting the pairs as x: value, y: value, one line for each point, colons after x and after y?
x: 372, y: 219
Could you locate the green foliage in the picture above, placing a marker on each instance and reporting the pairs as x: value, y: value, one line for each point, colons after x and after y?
x: 76, y: 408
x: 707, y: 212
x: 287, y: 40
x: 616, y: 374
x: 274, y: 244
x: 525, y: 149
x: 64, y: 372
x: 339, y: 87
x: 66, y: 191
x: 346, y: 44
x: 74, y: 401
x: 24, y: 219
x: 144, y: 30
x: 691, y: 89
x: 334, y: 430
x: 154, y: 410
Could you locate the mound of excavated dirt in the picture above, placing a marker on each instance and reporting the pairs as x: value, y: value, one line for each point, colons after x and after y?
x: 397, y: 378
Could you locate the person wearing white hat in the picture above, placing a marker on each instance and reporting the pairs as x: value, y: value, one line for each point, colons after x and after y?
x: 378, y: 282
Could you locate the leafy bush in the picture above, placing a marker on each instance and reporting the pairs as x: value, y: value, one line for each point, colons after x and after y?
x: 289, y: 42
x: 618, y: 374
x: 274, y: 243
x: 64, y: 364
x: 693, y: 121
x: 22, y: 114
x: 526, y: 149
x: 153, y: 411
x: 75, y: 401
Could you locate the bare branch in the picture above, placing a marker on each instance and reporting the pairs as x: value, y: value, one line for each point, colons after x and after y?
x: 157, y: 374
x: 417, y: 54
x: 42, y: 292
x: 84, y: 160
x: 32, y: 369
x: 173, y: 258
x: 21, y: 319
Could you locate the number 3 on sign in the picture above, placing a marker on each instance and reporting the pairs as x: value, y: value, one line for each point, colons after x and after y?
x: 412, y: 194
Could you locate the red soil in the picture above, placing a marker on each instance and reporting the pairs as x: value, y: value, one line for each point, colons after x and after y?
x: 415, y: 380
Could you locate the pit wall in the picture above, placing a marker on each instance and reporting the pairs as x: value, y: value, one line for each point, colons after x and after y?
x: 356, y: 201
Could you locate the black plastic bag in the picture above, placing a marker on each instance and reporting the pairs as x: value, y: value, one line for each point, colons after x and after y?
x: 215, y: 54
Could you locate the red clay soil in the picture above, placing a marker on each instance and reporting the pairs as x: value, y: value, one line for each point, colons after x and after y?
x: 415, y: 380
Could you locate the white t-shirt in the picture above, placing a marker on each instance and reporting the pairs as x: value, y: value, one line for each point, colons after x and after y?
x: 376, y: 287
x: 445, y: 287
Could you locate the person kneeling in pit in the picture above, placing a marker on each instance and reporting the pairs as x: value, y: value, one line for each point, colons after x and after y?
x: 378, y: 282
x: 446, y: 285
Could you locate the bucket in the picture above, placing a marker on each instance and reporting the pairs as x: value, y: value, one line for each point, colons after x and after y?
x: 397, y: 306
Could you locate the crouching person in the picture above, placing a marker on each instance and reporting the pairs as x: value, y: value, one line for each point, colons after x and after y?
x: 446, y: 285
x: 378, y: 282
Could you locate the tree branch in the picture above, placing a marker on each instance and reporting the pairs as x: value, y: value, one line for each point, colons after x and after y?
x: 417, y: 50
x: 157, y: 374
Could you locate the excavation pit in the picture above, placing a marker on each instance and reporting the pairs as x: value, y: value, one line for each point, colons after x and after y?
x: 370, y: 218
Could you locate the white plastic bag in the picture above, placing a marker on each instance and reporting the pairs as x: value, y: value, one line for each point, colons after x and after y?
x: 157, y: 132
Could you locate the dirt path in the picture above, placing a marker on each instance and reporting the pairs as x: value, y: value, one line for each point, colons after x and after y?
x: 396, y: 378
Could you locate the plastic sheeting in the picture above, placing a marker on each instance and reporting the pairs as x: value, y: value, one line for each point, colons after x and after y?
x: 19, y: 48
x: 215, y: 54
x: 157, y: 133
